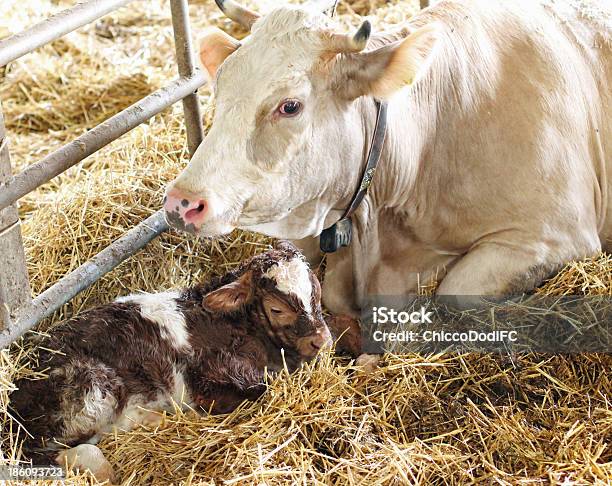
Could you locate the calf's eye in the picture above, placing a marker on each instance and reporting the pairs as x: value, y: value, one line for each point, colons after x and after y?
x: 276, y: 311
x: 290, y: 108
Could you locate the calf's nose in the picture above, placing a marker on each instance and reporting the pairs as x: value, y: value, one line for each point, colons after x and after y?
x: 321, y: 340
x: 185, y: 211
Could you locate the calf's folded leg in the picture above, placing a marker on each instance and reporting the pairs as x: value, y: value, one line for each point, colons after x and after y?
x: 346, y: 330
x: 225, y: 398
x: 220, y: 383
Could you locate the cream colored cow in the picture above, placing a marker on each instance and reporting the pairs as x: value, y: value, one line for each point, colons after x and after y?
x: 497, y: 164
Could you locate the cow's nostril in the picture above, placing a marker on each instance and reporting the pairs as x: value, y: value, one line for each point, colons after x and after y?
x: 195, y: 212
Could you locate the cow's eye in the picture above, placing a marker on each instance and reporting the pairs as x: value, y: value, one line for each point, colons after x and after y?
x: 290, y: 108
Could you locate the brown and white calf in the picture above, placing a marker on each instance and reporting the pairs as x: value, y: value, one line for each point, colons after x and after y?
x: 208, y: 346
x: 497, y: 164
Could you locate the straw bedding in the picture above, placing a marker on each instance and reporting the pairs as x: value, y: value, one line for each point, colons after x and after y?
x: 456, y: 419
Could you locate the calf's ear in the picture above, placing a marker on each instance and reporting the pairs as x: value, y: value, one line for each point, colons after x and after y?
x: 215, y: 47
x: 384, y: 71
x: 230, y: 297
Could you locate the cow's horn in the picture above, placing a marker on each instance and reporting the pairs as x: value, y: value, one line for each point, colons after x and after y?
x: 325, y: 6
x: 354, y: 43
x: 238, y: 13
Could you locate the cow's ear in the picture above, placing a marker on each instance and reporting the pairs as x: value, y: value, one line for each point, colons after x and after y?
x: 215, y: 47
x: 231, y: 297
x: 384, y: 71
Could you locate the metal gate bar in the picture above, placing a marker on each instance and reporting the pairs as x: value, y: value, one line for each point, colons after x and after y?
x: 86, y: 275
x: 186, y: 67
x: 57, y: 162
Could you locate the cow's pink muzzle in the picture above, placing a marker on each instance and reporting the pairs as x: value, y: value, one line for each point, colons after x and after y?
x: 185, y: 212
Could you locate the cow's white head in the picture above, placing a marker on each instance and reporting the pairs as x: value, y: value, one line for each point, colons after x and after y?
x: 286, y: 148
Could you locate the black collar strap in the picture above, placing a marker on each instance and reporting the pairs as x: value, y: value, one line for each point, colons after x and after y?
x: 340, y: 234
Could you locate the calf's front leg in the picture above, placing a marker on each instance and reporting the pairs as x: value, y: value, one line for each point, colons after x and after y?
x: 87, y: 457
x: 220, y: 399
x: 347, y: 332
x: 222, y: 382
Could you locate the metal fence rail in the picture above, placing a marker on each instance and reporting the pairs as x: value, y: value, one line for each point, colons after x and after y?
x: 87, y: 274
x: 18, y: 312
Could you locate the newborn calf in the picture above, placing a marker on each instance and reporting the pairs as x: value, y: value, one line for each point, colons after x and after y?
x: 207, y: 346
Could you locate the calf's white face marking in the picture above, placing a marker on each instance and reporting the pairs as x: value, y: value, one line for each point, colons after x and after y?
x: 163, y: 310
x: 293, y: 277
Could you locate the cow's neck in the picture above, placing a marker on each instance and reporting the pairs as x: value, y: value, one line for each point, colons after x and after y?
x: 417, y: 170
x: 401, y: 159
x: 398, y: 182
x: 399, y: 190
x: 409, y: 171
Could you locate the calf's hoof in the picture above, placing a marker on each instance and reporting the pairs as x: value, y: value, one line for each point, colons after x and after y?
x: 87, y: 457
x: 369, y: 362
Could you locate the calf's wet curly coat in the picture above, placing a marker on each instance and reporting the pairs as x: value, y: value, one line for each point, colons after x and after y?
x: 208, y: 346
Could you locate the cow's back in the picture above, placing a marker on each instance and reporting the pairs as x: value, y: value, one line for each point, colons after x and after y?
x: 521, y: 102
x: 587, y: 26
